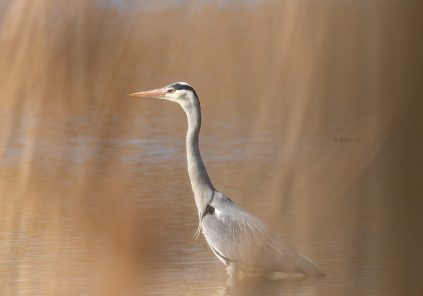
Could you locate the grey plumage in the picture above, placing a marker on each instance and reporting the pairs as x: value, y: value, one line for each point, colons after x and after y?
x: 241, y: 241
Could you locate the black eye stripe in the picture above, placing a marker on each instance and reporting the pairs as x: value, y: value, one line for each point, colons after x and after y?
x: 179, y: 86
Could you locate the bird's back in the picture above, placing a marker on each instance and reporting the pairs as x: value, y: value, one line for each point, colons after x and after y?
x: 237, y: 236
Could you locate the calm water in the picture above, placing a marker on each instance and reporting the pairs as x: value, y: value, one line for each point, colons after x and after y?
x: 312, y: 120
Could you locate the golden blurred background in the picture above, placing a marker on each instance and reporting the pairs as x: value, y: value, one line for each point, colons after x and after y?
x: 312, y: 120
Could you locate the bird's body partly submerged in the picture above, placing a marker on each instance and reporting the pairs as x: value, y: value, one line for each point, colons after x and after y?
x: 243, y: 242
x: 254, y: 248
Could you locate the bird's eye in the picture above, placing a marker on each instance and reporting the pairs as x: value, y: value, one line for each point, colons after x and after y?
x: 171, y: 90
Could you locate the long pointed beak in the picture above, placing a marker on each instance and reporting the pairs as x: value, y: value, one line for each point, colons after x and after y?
x: 155, y: 93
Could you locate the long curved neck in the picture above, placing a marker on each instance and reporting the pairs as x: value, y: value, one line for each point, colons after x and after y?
x: 200, y: 182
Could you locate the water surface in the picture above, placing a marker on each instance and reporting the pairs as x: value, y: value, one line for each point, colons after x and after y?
x: 311, y: 120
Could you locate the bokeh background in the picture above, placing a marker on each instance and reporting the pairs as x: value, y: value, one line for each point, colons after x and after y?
x: 312, y: 120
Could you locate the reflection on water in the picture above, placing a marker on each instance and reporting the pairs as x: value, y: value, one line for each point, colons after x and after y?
x: 312, y: 121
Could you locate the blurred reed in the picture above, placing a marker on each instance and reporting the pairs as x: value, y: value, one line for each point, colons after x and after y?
x: 317, y: 102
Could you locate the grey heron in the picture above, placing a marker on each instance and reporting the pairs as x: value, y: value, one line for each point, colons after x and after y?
x: 241, y: 241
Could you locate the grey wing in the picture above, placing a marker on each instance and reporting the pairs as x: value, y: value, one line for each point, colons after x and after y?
x: 240, y: 237
x: 243, y: 238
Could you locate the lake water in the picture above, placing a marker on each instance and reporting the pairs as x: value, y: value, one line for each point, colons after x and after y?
x: 312, y: 120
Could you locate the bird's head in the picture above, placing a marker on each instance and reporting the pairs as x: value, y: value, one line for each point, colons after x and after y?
x: 178, y: 92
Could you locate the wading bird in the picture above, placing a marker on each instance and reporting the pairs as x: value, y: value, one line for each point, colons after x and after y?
x: 241, y: 241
